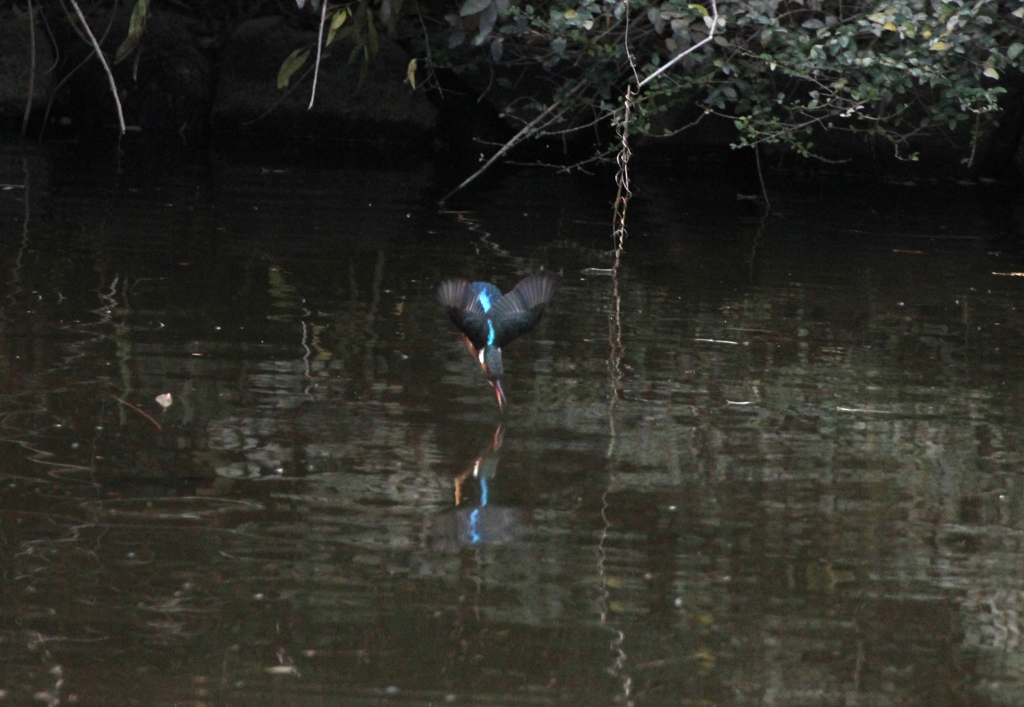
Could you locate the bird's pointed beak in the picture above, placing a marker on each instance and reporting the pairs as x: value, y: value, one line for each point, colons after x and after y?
x: 498, y: 392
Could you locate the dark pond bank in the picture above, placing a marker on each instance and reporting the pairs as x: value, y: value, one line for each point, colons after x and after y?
x: 775, y: 461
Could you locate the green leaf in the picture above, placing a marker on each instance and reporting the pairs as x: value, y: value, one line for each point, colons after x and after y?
x: 344, y: 33
x: 136, y: 26
x: 356, y: 50
x: 1015, y: 49
x: 362, y: 67
x: 991, y: 72
x: 410, y: 73
x: 471, y: 7
x: 487, y: 19
x: 371, y: 35
x: 290, y: 65
x: 339, y: 18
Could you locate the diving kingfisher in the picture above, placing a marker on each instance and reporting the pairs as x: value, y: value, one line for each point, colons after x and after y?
x: 489, y: 320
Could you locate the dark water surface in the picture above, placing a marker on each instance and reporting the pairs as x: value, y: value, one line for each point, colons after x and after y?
x: 773, y: 462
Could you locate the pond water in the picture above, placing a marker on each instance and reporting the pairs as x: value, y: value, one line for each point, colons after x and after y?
x: 773, y: 461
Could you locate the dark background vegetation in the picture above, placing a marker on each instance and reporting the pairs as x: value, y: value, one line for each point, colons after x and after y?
x: 835, y: 85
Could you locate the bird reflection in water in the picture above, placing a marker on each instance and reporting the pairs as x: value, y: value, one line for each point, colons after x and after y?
x: 475, y: 520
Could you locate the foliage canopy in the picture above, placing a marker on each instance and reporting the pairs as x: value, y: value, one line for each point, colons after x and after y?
x: 779, y: 69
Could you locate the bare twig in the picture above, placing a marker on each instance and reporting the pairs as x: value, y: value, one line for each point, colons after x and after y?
x: 625, y: 43
x: 531, y: 128
x: 430, y: 59
x: 760, y: 176
x: 319, y: 50
x: 674, y: 60
x: 103, y: 60
x: 31, y: 70
x: 527, y: 130
x: 623, y: 192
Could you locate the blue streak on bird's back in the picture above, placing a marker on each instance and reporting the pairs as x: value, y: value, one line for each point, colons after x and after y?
x: 490, y: 333
x: 485, y: 301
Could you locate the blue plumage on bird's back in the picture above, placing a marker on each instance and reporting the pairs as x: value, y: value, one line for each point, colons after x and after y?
x: 486, y: 294
x: 490, y: 320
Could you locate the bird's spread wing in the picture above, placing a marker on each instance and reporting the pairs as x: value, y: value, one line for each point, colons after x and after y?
x: 470, y: 304
x: 519, y: 310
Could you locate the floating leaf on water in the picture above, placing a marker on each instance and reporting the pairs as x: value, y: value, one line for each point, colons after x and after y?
x: 282, y: 670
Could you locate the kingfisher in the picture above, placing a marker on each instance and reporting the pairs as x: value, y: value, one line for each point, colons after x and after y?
x: 489, y: 320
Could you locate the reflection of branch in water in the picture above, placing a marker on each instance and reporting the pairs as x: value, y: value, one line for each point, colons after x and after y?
x: 370, y: 360
x: 39, y: 456
x: 485, y: 236
x: 758, y: 234
x: 307, y: 353
x: 14, y: 286
x: 615, y: 355
x: 136, y: 409
x: 521, y: 264
x: 123, y: 344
